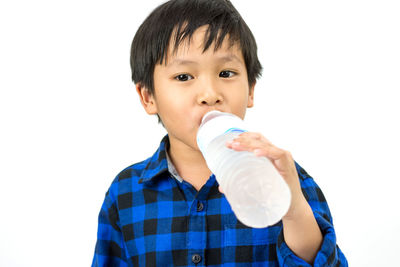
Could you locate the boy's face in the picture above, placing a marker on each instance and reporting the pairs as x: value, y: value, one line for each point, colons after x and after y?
x: 193, y: 83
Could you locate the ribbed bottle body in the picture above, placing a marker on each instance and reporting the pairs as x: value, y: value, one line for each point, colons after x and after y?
x: 257, y: 193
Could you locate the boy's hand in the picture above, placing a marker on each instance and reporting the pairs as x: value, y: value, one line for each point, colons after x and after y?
x: 283, y: 162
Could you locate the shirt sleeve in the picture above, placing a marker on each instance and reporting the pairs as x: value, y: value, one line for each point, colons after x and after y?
x: 110, y: 247
x: 329, y: 253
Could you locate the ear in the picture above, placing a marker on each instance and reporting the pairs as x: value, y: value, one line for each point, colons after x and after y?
x: 147, y: 100
x: 250, y: 101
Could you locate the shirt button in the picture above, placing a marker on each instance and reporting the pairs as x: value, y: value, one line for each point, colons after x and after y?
x: 196, y: 258
x: 200, y: 206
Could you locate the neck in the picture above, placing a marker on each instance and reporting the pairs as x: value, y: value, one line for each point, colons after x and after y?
x: 189, y: 163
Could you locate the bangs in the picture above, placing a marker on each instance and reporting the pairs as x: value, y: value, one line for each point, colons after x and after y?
x: 214, y: 34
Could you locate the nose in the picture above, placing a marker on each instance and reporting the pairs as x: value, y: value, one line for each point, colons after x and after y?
x: 209, y: 94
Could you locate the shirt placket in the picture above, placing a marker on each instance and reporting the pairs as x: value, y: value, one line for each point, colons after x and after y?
x: 197, y: 232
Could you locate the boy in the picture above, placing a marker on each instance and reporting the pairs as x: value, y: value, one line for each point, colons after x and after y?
x: 187, y: 58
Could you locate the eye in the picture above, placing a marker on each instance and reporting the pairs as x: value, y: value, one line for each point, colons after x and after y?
x: 183, y: 77
x: 226, y: 74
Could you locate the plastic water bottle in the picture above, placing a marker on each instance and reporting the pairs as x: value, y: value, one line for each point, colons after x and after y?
x: 257, y: 193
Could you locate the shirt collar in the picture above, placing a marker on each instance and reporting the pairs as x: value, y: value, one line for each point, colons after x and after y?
x: 172, y: 170
x: 159, y: 163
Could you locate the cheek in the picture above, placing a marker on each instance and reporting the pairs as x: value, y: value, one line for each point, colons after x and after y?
x: 175, y: 109
x: 242, y: 97
x: 240, y: 102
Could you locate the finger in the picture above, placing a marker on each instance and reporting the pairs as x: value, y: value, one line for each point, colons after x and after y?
x: 248, y: 144
x: 255, y: 136
x: 273, y: 152
x: 238, y: 144
x: 242, y: 146
x: 245, y: 135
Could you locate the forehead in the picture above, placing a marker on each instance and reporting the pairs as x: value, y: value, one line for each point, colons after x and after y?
x: 195, y: 45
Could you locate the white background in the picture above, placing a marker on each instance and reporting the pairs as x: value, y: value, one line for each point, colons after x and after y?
x: 71, y: 119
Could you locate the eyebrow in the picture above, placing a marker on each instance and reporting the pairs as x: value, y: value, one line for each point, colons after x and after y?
x: 227, y: 58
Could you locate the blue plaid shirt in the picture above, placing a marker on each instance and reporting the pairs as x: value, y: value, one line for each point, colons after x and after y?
x: 151, y: 217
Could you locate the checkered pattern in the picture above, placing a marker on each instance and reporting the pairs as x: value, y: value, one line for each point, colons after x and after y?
x: 149, y: 218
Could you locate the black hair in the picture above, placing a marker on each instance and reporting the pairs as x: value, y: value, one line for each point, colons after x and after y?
x: 182, y: 18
